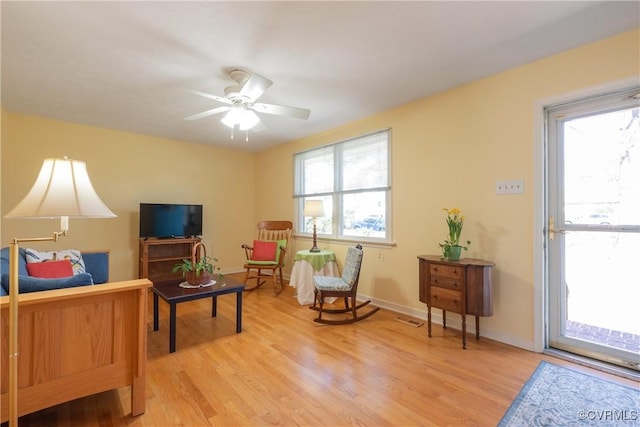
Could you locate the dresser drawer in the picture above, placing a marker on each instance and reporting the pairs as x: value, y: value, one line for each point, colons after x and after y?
x: 446, y: 299
x: 446, y: 282
x: 453, y: 272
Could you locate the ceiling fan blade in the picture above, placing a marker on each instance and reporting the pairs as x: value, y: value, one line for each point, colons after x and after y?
x: 255, y: 86
x: 281, y: 110
x: 208, y: 113
x: 210, y: 96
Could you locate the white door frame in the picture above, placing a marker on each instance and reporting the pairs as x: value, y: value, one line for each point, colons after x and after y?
x: 540, y: 275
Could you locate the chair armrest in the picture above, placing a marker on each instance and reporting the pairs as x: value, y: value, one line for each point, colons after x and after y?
x: 97, y: 263
x: 248, y: 251
x: 77, y: 293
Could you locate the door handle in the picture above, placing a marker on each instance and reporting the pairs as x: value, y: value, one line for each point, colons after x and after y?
x: 552, y: 228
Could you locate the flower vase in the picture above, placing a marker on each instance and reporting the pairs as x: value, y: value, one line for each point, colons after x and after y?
x: 454, y: 253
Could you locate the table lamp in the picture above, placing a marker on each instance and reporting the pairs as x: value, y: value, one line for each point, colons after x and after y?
x: 62, y: 190
x: 314, y: 208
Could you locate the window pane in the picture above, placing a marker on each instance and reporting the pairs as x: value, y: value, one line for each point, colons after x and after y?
x: 602, y: 186
x: 364, y: 214
x: 612, y: 260
x: 364, y: 163
x: 314, y: 171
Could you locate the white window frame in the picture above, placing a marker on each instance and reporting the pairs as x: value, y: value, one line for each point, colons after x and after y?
x: 337, y: 192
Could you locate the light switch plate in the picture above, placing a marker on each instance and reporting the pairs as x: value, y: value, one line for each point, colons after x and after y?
x: 510, y: 187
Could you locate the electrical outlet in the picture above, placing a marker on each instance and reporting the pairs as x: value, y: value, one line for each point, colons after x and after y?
x: 510, y: 187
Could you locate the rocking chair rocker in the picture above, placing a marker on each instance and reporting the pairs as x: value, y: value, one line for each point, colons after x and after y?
x: 345, y: 287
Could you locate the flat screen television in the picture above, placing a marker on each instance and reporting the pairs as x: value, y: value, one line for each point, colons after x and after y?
x: 166, y: 220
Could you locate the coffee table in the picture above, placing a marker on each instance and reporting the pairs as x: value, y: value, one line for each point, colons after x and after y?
x: 171, y: 292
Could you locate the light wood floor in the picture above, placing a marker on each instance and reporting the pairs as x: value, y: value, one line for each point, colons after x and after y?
x: 286, y: 370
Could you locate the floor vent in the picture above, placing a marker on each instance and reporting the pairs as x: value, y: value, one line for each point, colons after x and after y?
x: 410, y: 322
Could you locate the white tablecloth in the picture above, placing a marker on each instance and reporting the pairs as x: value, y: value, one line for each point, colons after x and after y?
x: 302, y: 279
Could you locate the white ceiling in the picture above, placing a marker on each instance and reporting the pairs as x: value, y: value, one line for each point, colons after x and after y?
x: 129, y: 65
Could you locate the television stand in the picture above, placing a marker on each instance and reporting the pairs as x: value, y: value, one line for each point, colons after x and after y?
x: 158, y: 256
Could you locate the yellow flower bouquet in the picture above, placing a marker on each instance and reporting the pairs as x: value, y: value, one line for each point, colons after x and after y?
x: 451, y: 247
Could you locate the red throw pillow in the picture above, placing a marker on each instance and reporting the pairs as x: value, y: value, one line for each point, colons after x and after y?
x: 50, y: 269
x: 264, y: 251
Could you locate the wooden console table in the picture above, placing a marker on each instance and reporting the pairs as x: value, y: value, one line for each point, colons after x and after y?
x: 462, y: 287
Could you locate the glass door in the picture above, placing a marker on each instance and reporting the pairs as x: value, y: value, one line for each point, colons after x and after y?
x: 593, y: 233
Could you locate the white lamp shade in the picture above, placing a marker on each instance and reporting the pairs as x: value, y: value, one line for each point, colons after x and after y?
x: 63, y: 188
x: 313, y: 208
x: 241, y: 116
x: 232, y: 118
x: 249, y: 120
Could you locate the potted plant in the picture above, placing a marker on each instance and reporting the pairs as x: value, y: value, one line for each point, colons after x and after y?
x: 198, y: 269
x: 451, y: 247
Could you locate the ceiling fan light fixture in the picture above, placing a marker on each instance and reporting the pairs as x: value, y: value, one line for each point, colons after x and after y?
x: 239, y: 115
x: 240, y: 106
x: 232, y: 117
x: 249, y: 120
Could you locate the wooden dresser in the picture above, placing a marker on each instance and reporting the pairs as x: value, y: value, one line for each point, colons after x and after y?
x: 462, y: 287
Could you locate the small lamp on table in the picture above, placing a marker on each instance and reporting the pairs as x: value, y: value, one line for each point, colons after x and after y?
x: 314, y: 208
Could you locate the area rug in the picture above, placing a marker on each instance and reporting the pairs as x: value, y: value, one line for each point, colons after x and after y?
x: 559, y: 396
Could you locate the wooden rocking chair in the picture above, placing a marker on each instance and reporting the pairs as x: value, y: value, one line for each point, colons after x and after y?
x: 266, y: 256
x: 345, y: 287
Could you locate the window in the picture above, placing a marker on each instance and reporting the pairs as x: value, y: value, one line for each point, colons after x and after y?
x: 352, y: 179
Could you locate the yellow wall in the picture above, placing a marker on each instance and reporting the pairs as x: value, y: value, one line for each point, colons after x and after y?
x: 127, y: 169
x: 1, y: 139
x: 448, y: 150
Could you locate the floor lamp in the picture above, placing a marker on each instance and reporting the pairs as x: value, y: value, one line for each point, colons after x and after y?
x: 62, y: 190
x: 314, y: 208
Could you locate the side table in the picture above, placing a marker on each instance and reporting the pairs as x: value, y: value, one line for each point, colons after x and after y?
x: 308, y: 264
x: 462, y: 287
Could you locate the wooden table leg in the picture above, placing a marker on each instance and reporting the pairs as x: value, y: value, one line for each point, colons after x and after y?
x: 239, y: 311
x: 464, y: 331
x: 156, y: 325
x: 214, y: 306
x: 172, y: 328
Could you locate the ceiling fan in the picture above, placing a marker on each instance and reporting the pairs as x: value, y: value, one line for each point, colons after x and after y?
x: 240, y: 102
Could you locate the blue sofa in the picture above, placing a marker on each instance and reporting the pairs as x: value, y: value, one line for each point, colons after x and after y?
x: 96, y: 266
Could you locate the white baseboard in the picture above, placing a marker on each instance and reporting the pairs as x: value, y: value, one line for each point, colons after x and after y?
x: 454, y: 321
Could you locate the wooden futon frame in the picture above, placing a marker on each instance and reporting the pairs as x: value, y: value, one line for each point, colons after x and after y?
x: 76, y: 342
